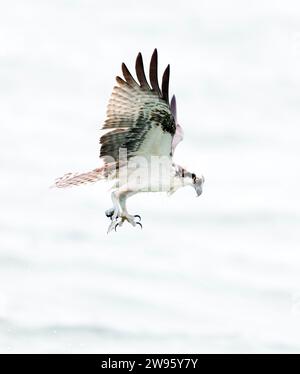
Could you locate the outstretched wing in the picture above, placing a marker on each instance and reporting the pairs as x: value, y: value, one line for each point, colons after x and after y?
x: 139, y: 117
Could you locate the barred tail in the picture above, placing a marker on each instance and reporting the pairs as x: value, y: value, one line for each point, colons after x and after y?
x: 76, y: 179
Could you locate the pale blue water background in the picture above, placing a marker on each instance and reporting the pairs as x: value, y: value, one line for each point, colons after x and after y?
x: 220, y: 273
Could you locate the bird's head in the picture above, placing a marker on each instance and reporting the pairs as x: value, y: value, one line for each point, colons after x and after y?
x: 190, y: 179
x: 198, y: 183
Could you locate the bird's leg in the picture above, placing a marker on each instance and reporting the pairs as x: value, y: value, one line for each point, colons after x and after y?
x: 114, y: 213
x: 125, y: 216
x: 118, y: 213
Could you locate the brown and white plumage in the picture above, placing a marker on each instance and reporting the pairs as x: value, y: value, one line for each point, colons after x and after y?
x: 141, y: 121
x: 139, y: 115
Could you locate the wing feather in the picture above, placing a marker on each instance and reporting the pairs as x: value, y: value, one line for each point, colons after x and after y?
x: 140, y: 72
x: 178, y: 136
x: 165, y: 84
x: 173, y: 107
x: 128, y: 77
x: 139, y: 117
x: 153, y: 73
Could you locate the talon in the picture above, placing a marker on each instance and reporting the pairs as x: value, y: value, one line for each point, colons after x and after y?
x: 116, y: 227
x: 109, y: 213
x: 138, y: 223
x: 138, y: 217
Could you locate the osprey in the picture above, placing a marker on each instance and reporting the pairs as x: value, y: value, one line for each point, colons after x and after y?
x: 141, y: 133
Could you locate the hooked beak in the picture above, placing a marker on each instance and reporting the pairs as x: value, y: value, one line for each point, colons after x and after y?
x: 198, y: 186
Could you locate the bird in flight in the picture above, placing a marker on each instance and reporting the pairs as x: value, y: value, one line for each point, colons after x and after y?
x: 139, y: 138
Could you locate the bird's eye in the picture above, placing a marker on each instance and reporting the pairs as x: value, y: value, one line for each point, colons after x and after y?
x: 194, y: 177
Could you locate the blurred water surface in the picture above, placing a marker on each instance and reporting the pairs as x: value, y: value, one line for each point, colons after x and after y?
x: 220, y: 273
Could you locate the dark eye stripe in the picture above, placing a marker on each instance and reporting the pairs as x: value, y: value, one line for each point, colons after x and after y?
x: 187, y: 174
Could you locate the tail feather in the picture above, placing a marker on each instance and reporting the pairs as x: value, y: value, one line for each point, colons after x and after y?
x: 76, y: 179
